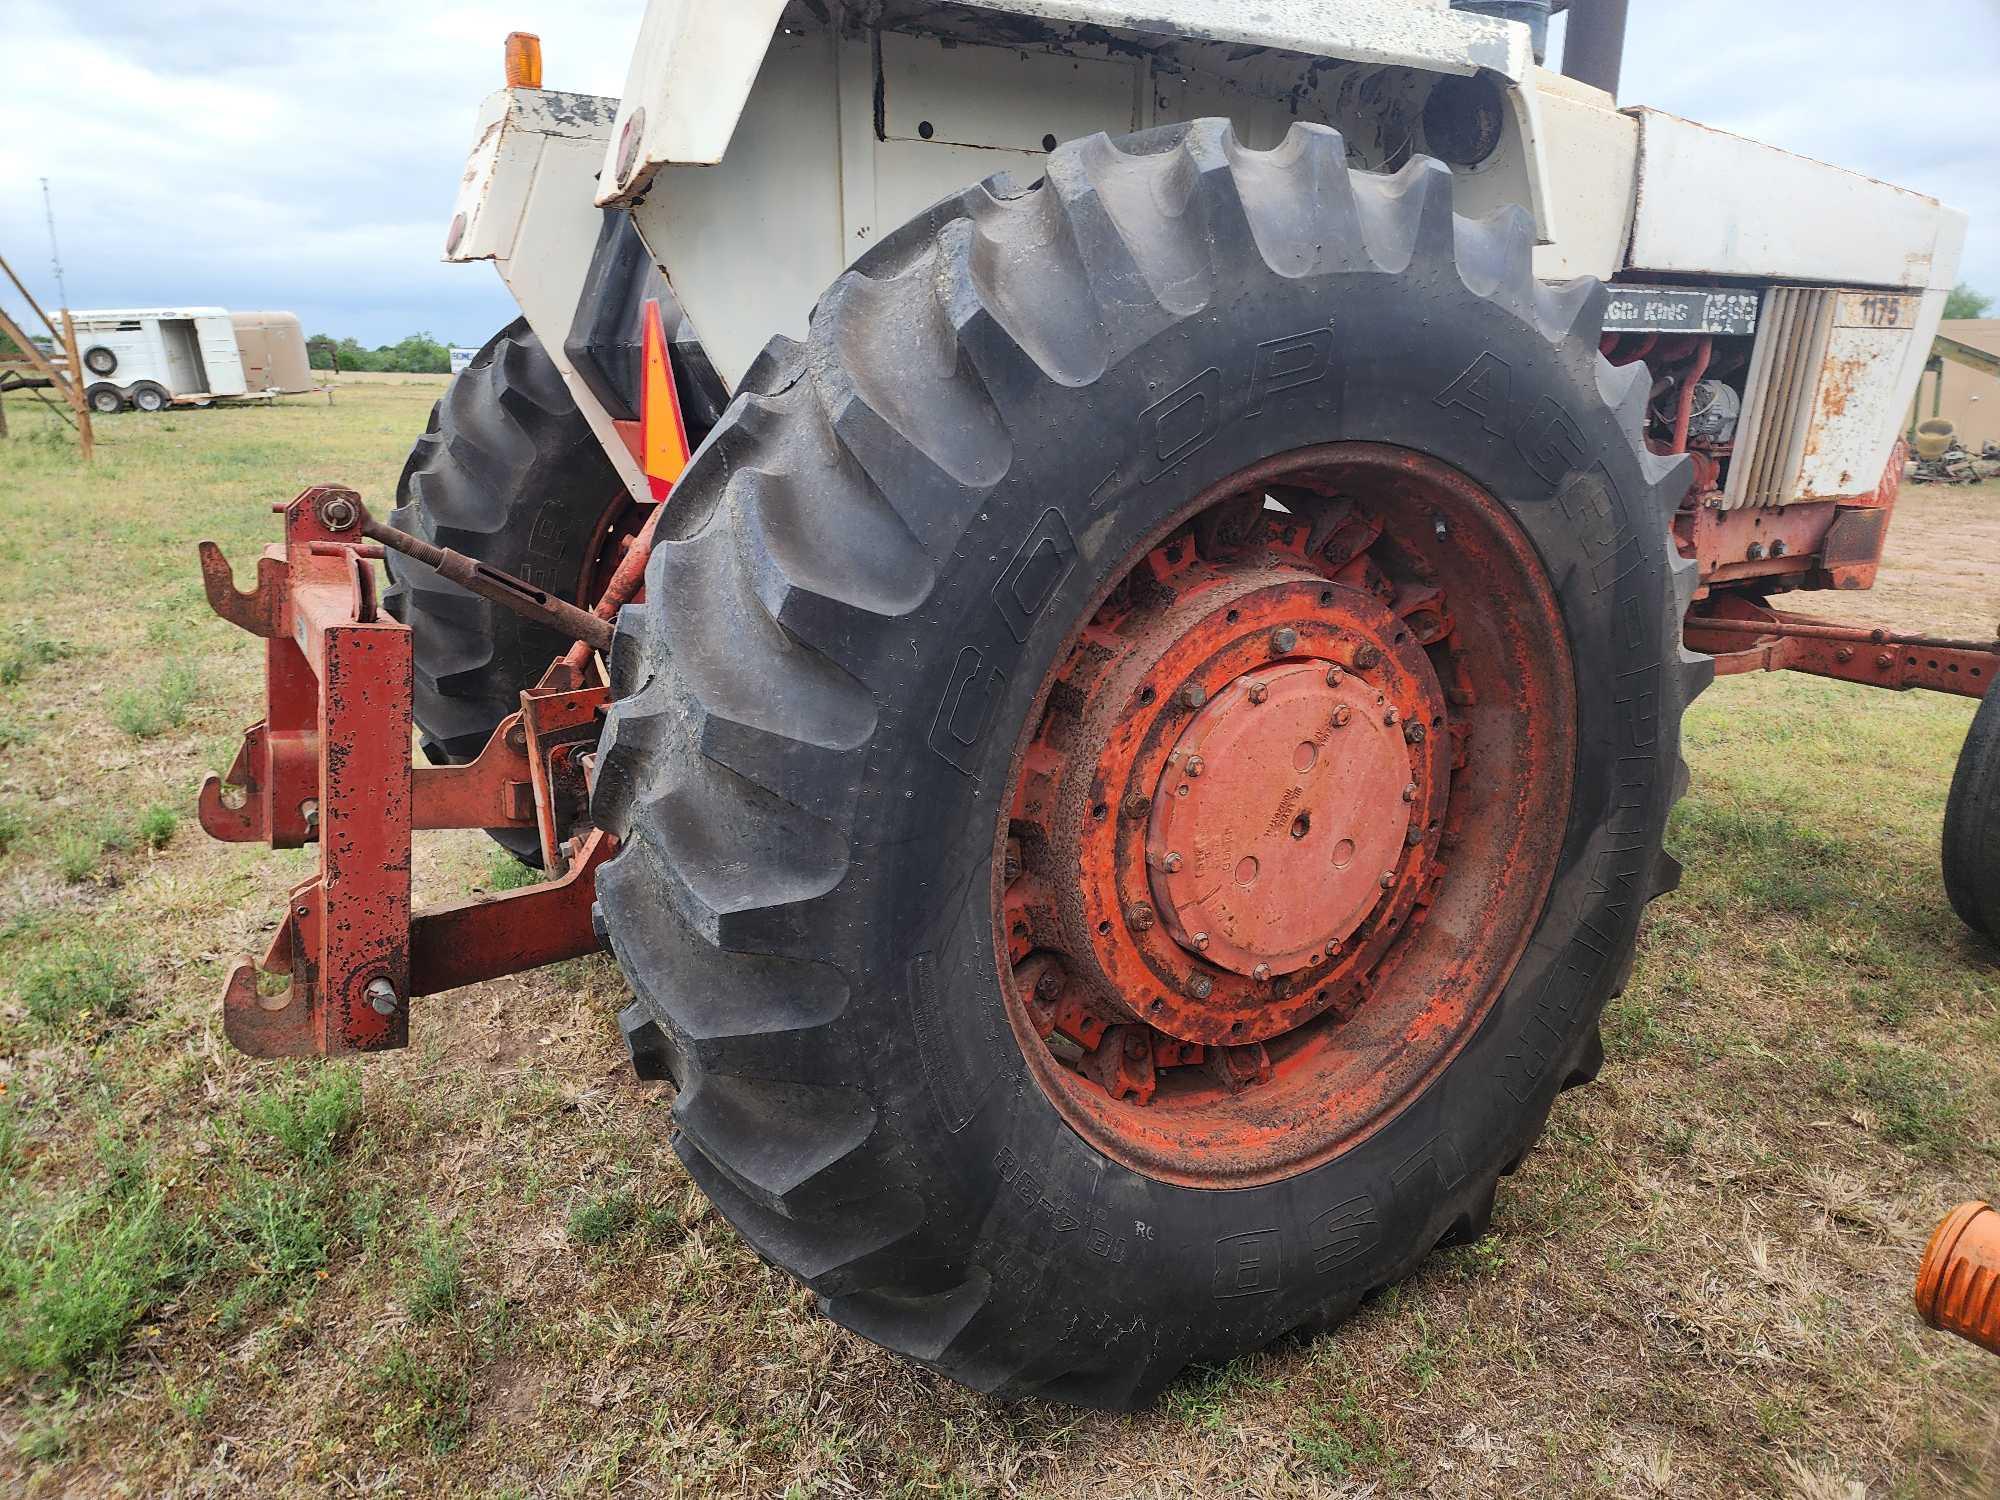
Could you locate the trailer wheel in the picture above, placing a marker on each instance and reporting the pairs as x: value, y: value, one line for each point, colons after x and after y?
x: 1143, y: 756
x: 149, y: 397
x: 509, y: 472
x: 99, y: 360
x: 105, y: 399
x: 1972, y: 825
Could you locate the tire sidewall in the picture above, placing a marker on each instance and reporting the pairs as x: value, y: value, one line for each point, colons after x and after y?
x: 1415, y: 363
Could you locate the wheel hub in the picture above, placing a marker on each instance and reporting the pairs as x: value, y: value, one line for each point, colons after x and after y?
x: 1281, y: 818
x: 1228, y: 937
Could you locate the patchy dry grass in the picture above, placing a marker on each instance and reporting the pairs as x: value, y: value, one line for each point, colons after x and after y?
x: 475, y: 1268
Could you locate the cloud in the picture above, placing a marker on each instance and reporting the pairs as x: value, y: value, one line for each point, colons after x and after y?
x: 306, y: 156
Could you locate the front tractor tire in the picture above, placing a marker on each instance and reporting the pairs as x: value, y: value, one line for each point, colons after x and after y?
x: 508, y: 471
x: 1143, y: 756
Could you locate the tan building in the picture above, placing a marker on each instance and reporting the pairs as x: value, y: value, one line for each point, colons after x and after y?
x: 1970, y: 399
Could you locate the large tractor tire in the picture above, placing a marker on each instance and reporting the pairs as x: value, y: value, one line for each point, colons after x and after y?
x: 509, y: 472
x: 1972, y: 825
x: 1143, y: 756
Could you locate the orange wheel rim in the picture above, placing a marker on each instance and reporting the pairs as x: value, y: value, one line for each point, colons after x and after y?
x: 1286, y: 813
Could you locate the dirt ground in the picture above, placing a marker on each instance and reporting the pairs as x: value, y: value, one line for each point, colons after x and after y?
x: 475, y: 1268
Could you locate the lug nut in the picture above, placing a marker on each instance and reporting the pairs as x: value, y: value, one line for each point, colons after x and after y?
x: 1334, y: 675
x: 1200, y: 941
x: 1410, y: 792
x: 1258, y: 692
x: 1341, y: 715
x: 1755, y: 551
x: 1414, y: 732
x: 1137, y: 806
x: 1193, y: 766
x: 1262, y: 973
x: 1414, y: 837
x: 1193, y: 694
x: 1389, y: 714
x: 1201, y: 986
x: 1284, y: 640
x: 1388, y: 879
x: 1171, y: 864
x: 381, y: 996
x: 1778, y: 548
x: 1367, y: 657
x: 1333, y: 949
x: 1050, y: 985
x: 1139, y: 917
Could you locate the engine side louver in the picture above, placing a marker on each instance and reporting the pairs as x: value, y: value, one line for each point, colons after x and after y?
x: 1778, y: 397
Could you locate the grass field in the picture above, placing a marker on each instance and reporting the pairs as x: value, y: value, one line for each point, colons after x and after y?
x: 475, y: 1268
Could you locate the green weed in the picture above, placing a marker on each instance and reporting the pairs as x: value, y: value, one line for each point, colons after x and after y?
x: 25, y: 650
x: 601, y: 1219
x: 309, y: 1113
x: 148, y: 712
x: 506, y: 873
x: 70, y: 1293
x: 278, y: 1231
x: 424, y: 1399
x: 157, y: 825
x: 74, y: 978
x: 12, y: 825
x: 437, y: 1288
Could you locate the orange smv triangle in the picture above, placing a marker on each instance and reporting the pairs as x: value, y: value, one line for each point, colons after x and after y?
x: 663, y: 442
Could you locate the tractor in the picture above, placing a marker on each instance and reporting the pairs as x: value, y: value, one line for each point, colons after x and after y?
x: 1095, y: 601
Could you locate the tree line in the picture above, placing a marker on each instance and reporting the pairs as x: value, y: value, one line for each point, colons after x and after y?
x: 416, y: 354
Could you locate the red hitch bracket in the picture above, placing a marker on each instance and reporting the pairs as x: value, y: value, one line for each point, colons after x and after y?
x: 330, y: 764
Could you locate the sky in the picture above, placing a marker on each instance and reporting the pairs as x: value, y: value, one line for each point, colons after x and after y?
x: 304, y: 157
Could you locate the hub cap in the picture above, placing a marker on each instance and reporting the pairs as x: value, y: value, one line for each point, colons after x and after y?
x: 1225, y: 855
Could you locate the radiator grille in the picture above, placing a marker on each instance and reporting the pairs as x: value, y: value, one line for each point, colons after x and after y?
x: 1778, y: 396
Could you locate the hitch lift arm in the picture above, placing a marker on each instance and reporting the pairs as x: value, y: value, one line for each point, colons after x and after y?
x: 330, y: 764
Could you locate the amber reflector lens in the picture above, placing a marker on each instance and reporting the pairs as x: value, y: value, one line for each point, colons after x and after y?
x: 524, y: 60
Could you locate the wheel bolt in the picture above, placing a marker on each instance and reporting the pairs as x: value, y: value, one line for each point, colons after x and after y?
x: 1414, y: 732
x: 1410, y: 792
x: 1284, y: 641
x: 1367, y: 657
x: 1201, y: 987
x: 1193, y: 694
x: 1201, y: 942
x: 1137, y: 806
x: 1414, y: 837
x: 1262, y: 973
x: 1139, y: 917
x: 1193, y: 766
x: 1388, y: 879
x: 1050, y: 985
x: 1258, y: 692
x: 1171, y: 863
x: 1333, y: 676
x: 1341, y: 715
x: 1333, y: 949
x: 1389, y: 715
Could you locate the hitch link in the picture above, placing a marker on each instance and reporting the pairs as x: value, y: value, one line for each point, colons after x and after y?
x: 330, y: 765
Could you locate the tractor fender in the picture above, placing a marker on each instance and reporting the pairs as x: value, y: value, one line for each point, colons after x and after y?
x: 695, y: 62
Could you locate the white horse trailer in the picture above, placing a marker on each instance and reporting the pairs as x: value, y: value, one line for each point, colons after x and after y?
x: 153, y: 358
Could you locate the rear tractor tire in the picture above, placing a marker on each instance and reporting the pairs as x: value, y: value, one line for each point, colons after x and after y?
x: 1143, y: 756
x: 509, y: 472
x: 1972, y: 825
